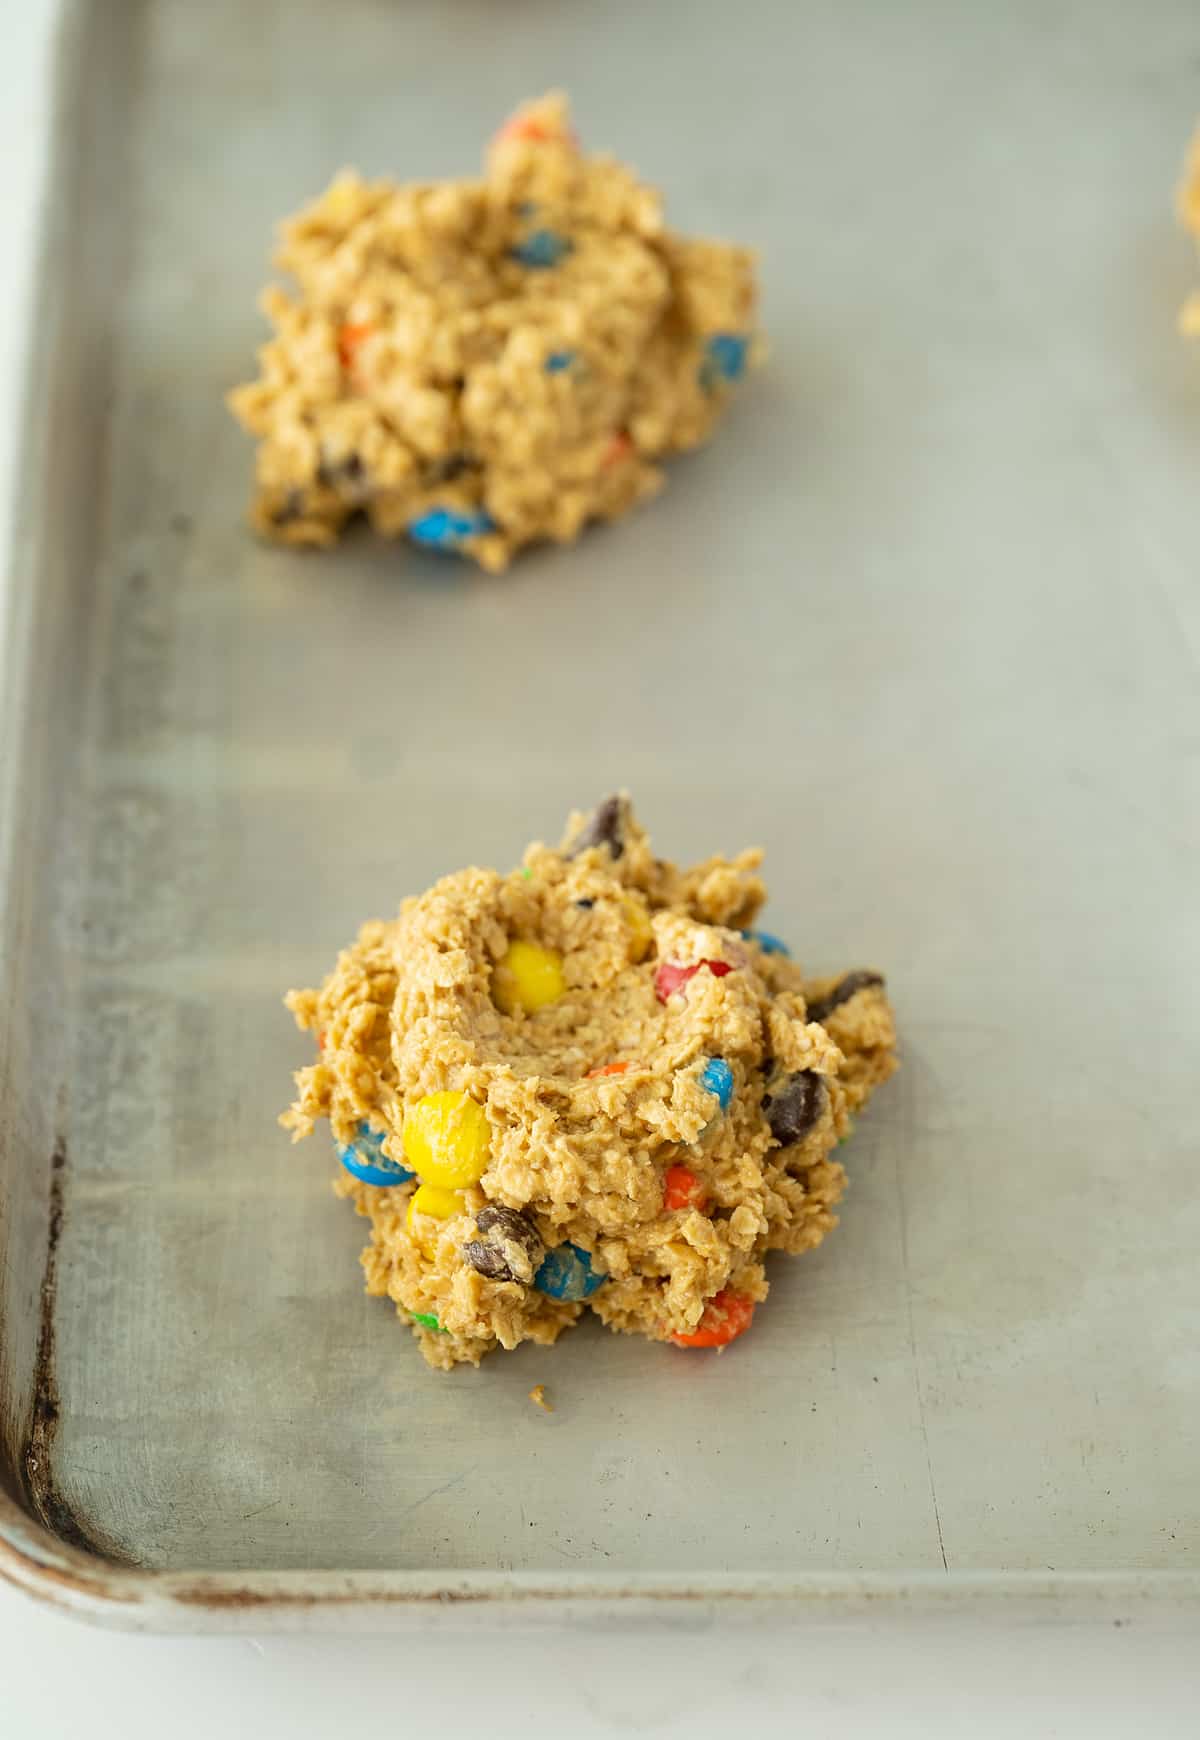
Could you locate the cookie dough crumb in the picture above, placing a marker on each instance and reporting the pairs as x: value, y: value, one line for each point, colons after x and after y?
x: 484, y: 364
x: 537, y: 1396
x: 1187, y: 204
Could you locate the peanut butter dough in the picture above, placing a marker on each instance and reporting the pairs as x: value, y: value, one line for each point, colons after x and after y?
x: 587, y: 1084
x: 483, y: 364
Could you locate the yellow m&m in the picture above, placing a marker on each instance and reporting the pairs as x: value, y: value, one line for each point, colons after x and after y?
x: 438, y: 1204
x: 431, y: 1199
x: 447, y: 1141
x: 528, y: 977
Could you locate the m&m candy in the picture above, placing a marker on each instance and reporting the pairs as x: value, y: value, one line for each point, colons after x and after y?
x: 671, y: 975
x: 566, y: 1273
x: 447, y: 528
x: 447, y: 1140
x: 541, y: 249
x: 724, y: 358
x: 770, y: 945
x: 717, y: 1077
x: 682, y: 1189
x: 365, y: 1159
x: 527, y: 977
x: 428, y: 1321
x: 726, y: 1316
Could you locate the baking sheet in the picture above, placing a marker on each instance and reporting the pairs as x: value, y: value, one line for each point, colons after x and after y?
x: 922, y: 621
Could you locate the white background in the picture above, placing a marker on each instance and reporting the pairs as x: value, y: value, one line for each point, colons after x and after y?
x: 59, y: 1678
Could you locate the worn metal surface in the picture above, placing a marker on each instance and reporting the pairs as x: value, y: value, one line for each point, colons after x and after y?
x: 923, y: 621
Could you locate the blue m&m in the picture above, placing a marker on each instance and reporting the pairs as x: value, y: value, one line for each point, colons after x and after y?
x: 566, y: 1273
x: 770, y: 945
x: 717, y: 1077
x: 724, y: 358
x: 447, y: 528
x: 559, y: 361
x: 365, y: 1159
x: 542, y: 248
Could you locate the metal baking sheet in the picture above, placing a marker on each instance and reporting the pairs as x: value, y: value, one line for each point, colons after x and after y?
x: 922, y: 621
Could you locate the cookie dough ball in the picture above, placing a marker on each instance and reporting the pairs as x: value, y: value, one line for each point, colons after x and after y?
x: 480, y: 365
x: 588, y: 1085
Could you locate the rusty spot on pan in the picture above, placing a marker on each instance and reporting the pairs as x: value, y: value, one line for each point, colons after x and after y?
x: 220, y: 1597
x: 59, y: 1586
x: 35, y: 1463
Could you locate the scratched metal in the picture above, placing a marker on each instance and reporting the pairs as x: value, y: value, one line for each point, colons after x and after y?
x: 923, y: 621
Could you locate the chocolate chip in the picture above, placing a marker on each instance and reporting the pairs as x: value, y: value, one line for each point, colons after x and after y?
x: 511, y: 1221
x: 445, y: 470
x: 794, y: 1106
x: 511, y: 1247
x: 842, y: 993
x: 487, y: 1260
x: 604, y: 827
x: 348, y: 476
x: 588, y: 904
x: 291, y: 508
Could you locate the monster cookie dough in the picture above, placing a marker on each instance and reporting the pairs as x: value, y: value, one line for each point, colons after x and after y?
x: 481, y: 364
x: 590, y: 1084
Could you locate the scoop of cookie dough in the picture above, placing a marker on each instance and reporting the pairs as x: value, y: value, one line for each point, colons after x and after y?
x: 589, y: 1084
x: 482, y: 364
